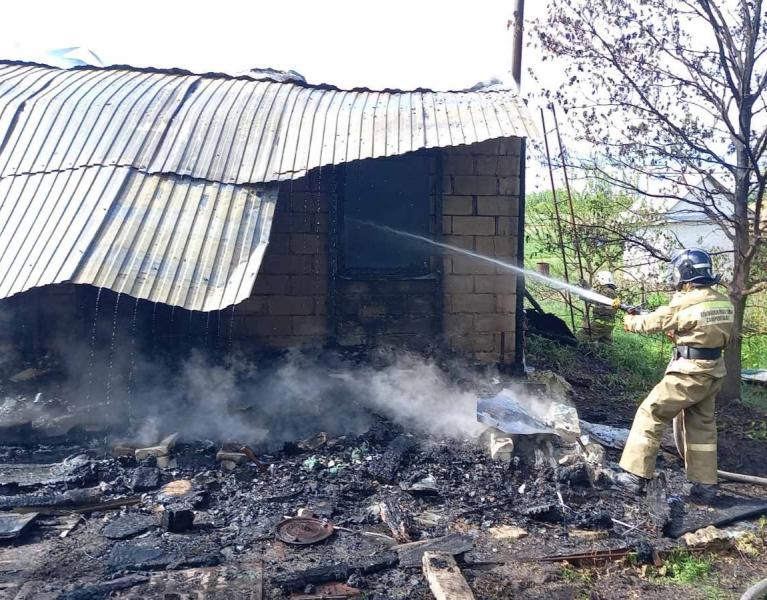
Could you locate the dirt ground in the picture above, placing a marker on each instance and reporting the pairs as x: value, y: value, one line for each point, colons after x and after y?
x: 231, y: 550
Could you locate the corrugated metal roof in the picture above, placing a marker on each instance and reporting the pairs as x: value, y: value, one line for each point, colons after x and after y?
x: 226, y: 129
x: 164, y: 238
x: 156, y: 184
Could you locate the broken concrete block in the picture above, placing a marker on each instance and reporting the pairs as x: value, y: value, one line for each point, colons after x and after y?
x: 713, y: 538
x: 507, y: 532
x: 145, y: 478
x: 228, y: 465
x: 501, y: 446
x: 556, y: 385
x: 151, y: 452
x: 123, y: 450
x: 237, y: 458
x: 166, y: 462
x: 161, y: 449
x: 177, y: 519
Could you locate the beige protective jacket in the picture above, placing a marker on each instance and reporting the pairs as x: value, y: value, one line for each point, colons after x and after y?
x: 699, y: 317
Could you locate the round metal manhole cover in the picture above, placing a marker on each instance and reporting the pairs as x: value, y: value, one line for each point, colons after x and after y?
x: 303, y: 530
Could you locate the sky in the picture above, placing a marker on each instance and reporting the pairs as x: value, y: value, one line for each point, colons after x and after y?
x: 404, y: 44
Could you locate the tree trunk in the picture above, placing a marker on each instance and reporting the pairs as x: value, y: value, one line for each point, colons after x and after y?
x: 732, y: 358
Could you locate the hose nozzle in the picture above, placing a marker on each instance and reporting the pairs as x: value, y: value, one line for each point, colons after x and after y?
x: 632, y: 310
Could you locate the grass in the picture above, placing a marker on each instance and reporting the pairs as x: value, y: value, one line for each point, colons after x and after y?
x: 573, y: 575
x: 755, y: 396
x: 684, y: 568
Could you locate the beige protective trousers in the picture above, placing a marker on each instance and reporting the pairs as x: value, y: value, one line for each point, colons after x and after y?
x: 691, y: 394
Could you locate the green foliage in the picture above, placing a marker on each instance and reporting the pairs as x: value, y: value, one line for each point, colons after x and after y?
x: 598, y: 211
x: 683, y: 567
x: 634, y: 361
x: 757, y: 431
x: 573, y: 575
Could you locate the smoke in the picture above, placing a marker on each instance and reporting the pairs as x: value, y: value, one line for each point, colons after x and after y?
x: 259, y: 402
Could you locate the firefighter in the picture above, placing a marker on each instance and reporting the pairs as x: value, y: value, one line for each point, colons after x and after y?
x: 699, y: 321
x: 603, y: 316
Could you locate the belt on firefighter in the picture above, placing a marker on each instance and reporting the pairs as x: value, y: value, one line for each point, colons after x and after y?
x: 697, y: 353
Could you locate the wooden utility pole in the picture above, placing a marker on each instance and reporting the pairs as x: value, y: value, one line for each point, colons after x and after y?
x: 519, y: 31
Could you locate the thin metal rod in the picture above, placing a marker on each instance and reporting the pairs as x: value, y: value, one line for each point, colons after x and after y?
x: 519, y: 30
x: 576, y: 235
x: 568, y: 298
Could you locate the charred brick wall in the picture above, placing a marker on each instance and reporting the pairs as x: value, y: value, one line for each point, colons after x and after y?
x: 288, y: 306
x: 463, y: 303
x: 480, y: 212
x: 469, y: 305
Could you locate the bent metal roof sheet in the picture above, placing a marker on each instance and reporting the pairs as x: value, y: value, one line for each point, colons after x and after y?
x: 160, y: 184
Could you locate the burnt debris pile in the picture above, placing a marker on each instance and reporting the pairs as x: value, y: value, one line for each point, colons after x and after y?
x: 397, y: 500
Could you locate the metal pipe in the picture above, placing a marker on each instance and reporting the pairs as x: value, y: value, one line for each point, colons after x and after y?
x: 568, y: 297
x: 576, y: 236
x: 756, y: 591
x: 519, y: 29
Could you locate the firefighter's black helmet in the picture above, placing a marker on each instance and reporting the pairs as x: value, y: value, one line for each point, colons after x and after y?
x: 692, y: 265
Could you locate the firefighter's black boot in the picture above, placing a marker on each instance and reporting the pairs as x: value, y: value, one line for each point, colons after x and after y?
x: 703, y: 493
x: 630, y: 482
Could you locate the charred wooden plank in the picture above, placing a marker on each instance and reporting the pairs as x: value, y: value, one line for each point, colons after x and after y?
x: 727, y: 510
x: 77, y: 470
x: 386, y: 468
x: 396, y: 519
x: 445, y: 578
x: 411, y: 555
x: 103, y: 589
x: 298, y: 580
x: 63, y: 499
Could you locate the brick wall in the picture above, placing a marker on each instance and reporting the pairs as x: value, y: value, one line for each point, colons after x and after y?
x: 480, y: 210
x: 288, y: 306
x: 467, y: 304
x: 401, y: 312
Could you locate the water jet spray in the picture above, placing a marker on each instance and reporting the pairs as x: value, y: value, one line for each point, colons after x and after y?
x: 589, y: 295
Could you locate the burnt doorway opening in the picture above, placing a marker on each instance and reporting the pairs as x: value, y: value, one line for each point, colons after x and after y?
x: 389, y: 192
x: 386, y: 288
